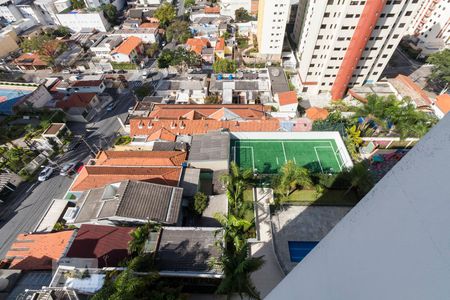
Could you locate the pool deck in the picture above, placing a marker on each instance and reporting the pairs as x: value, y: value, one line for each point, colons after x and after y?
x: 266, y: 278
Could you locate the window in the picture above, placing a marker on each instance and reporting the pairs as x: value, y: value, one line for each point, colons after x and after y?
x: 326, y: 15
x: 401, y: 25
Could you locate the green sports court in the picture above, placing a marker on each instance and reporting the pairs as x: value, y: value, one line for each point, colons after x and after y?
x: 266, y: 156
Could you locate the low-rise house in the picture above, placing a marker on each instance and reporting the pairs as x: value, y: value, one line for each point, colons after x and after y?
x: 189, y: 252
x: 197, y: 44
x: 115, y: 166
x: 147, y: 35
x: 80, y: 107
x: 54, y: 135
x: 442, y: 105
x: 245, y: 88
x: 98, y: 246
x: 130, y: 202
x: 219, y: 49
x: 69, y: 57
x: 8, y: 40
x: 408, y: 88
x: 95, y: 85
x: 31, y: 61
x: 104, y: 45
x: 180, y: 89
x: 210, y: 151
x: 77, y: 20
x: 38, y: 251
x: 128, y: 51
x: 287, y: 101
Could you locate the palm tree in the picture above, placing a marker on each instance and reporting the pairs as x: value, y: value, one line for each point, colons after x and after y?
x: 291, y: 178
x: 360, y: 178
x: 234, y: 230
x: 139, y: 236
x: 237, y: 181
x: 237, y: 267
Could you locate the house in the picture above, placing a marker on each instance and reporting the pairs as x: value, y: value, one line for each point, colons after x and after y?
x: 187, y: 252
x: 197, y: 44
x: 31, y: 61
x: 219, y: 112
x: 408, y: 88
x: 219, y: 50
x: 316, y: 113
x: 113, y: 166
x: 77, y: 20
x: 98, y: 246
x: 128, y: 51
x: 143, y: 128
x: 55, y: 132
x: 80, y: 107
x: 210, y: 151
x: 184, y: 89
x: 130, y: 202
x: 32, y: 252
x: 95, y: 85
x: 104, y: 45
x: 287, y: 101
x: 69, y: 57
x: 148, y: 34
x: 442, y: 105
x: 244, y: 88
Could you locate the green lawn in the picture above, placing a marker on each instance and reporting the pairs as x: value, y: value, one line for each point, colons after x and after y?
x: 328, y: 198
x: 249, y: 214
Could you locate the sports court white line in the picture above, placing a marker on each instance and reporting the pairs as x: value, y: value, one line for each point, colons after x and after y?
x: 295, y: 162
x: 278, y: 163
x: 318, y: 159
x: 284, y: 152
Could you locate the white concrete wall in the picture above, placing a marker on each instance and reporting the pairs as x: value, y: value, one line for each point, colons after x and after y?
x: 76, y: 22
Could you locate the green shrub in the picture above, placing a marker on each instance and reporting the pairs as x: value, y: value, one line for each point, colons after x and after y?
x: 123, y: 140
x: 200, y: 202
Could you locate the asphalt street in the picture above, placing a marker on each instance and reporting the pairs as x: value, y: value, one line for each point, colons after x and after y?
x: 26, y: 206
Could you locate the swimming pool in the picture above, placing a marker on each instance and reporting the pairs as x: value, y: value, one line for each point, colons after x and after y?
x: 298, y: 250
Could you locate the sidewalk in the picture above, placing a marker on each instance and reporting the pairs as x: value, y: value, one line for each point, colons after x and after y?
x: 270, y: 274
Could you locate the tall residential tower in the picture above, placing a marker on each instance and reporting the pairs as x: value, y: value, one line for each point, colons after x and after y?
x: 342, y: 43
x: 272, y: 18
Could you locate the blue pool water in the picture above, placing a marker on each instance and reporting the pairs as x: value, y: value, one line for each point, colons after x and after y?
x: 298, y: 250
x: 9, y: 97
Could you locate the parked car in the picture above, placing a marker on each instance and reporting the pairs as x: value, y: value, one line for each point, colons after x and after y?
x: 67, y: 169
x: 78, y: 166
x: 65, y: 71
x: 122, y: 72
x: 111, y: 106
x: 45, y: 173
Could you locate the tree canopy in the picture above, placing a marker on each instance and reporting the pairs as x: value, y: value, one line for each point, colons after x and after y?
x: 165, y: 13
x: 224, y: 66
x: 441, y: 65
x: 77, y: 4
x: 180, y: 58
x: 242, y: 15
x: 110, y: 13
x: 189, y: 3
x: 178, y: 31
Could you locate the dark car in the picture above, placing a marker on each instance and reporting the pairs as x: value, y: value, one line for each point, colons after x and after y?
x: 121, y: 72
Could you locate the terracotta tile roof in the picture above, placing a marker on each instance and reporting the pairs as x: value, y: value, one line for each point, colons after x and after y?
x: 205, y: 111
x: 287, y: 98
x: 162, y: 134
x: 54, y: 128
x: 140, y: 158
x: 212, y: 9
x: 407, y: 81
x: 76, y: 100
x: 149, y: 25
x: 92, y: 177
x: 30, y: 59
x: 38, y: 251
x: 443, y: 103
x: 220, y: 45
x: 316, y: 113
x: 140, y: 126
x: 128, y: 45
x: 80, y: 83
x: 197, y: 44
x: 109, y: 244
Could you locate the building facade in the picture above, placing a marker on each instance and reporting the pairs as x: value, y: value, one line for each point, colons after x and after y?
x: 229, y: 7
x: 342, y: 43
x: 272, y: 19
x: 76, y: 21
x: 431, y: 26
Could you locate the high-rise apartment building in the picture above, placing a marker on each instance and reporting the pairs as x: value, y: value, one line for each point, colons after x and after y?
x: 342, y: 43
x: 272, y: 18
x: 431, y: 26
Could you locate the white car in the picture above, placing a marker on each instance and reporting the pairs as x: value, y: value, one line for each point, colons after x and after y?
x: 111, y: 106
x: 45, y: 173
x: 67, y: 169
